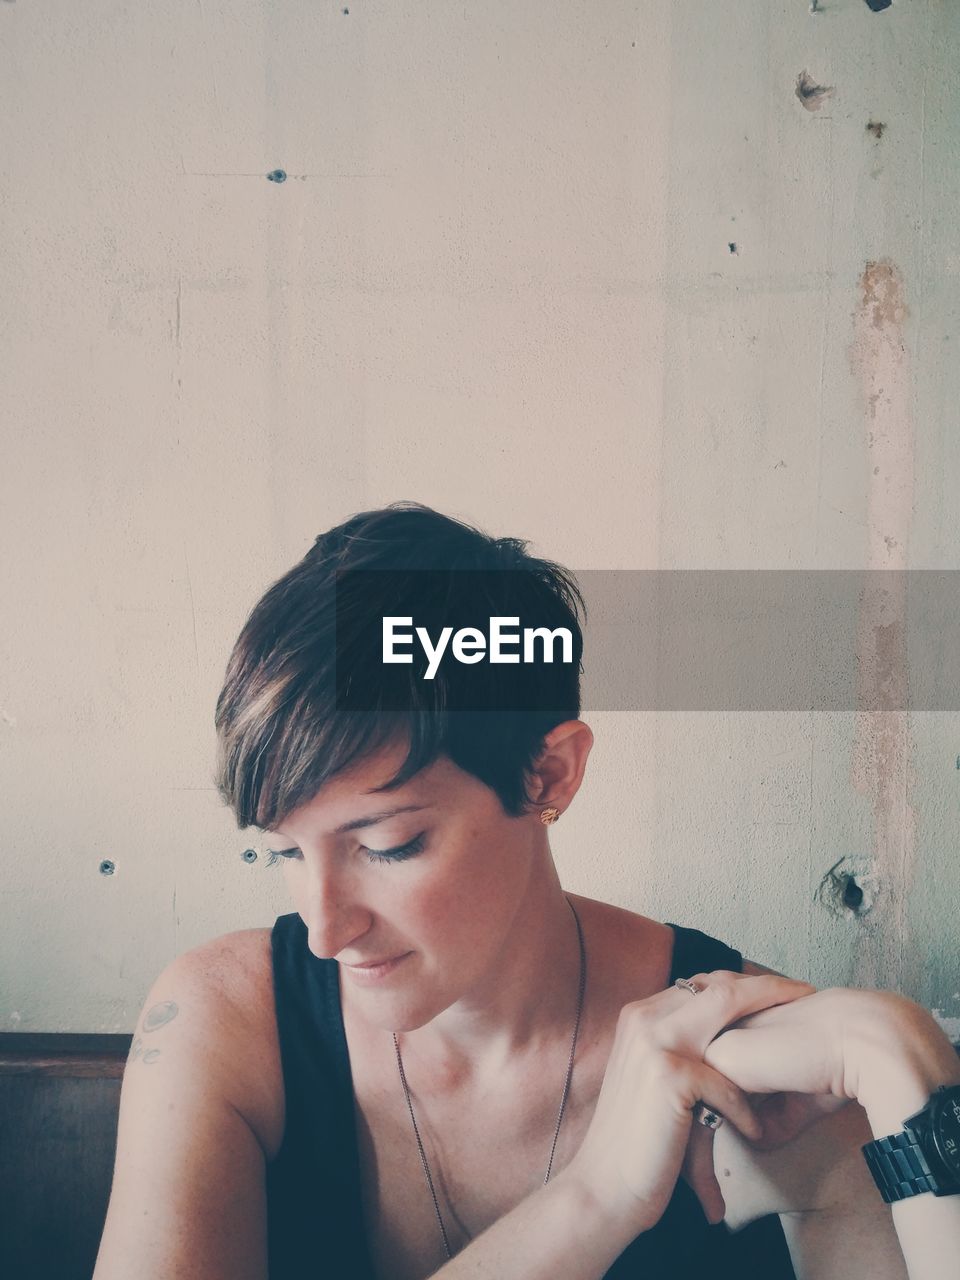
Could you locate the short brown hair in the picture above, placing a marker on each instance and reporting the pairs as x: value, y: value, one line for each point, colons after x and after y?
x: 280, y: 732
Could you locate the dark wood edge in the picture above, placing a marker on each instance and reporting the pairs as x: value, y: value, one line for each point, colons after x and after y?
x: 81, y: 1055
x: 63, y: 1054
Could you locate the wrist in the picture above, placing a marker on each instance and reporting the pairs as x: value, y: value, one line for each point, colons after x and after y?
x: 902, y: 1096
x: 905, y: 1060
x: 592, y: 1214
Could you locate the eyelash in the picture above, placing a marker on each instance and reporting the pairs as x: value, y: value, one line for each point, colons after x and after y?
x: 399, y: 854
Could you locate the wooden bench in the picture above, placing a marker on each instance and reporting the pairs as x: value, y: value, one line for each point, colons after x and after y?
x: 59, y: 1097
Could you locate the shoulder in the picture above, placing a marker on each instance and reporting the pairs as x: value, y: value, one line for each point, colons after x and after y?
x: 632, y: 952
x: 225, y: 987
x: 233, y: 962
x: 642, y: 949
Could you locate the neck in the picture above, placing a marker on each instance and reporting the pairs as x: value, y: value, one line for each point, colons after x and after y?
x: 524, y: 1005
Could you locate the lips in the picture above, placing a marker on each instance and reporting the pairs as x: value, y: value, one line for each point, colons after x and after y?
x: 373, y: 964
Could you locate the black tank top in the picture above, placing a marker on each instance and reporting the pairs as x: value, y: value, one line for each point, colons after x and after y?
x: 315, y: 1225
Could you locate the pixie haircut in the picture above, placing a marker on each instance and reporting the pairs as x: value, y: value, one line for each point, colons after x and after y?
x: 282, y: 733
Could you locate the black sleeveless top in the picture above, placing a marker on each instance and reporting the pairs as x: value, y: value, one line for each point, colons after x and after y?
x: 315, y: 1225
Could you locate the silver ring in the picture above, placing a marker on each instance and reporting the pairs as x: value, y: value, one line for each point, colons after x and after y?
x: 688, y: 985
x: 707, y: 1116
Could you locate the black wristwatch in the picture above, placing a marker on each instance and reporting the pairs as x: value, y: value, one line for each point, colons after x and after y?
x: 925, y: 1156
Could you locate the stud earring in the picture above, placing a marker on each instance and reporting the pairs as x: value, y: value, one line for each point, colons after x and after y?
x: 549, y: 815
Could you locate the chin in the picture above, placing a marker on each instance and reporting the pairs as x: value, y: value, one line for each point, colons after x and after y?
x: 411, y: 1017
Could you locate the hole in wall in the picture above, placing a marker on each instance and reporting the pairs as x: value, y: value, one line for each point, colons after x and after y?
x: 849, y: 889
x: 852, y: 894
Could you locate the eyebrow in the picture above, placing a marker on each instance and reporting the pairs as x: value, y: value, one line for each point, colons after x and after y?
x: 372, y: 819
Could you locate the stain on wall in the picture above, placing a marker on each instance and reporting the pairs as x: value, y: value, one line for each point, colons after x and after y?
x: 883, y: 747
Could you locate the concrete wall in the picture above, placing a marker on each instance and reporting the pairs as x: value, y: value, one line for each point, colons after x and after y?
x: 653, y: 285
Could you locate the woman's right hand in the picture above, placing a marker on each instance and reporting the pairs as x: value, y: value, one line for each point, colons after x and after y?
x: 643, y: 1135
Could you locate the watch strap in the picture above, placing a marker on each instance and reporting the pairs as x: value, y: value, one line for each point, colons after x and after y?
x: 899, y: 1167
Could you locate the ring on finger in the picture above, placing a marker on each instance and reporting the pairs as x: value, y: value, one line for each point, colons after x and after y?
x: 706, y: 1116
x: 687, y: 984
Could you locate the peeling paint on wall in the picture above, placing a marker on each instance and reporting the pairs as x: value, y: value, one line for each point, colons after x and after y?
x: 882, y: 746
x: 811, y: 94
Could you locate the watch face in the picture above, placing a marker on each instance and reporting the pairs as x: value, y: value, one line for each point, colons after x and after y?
x: 945, y: 1127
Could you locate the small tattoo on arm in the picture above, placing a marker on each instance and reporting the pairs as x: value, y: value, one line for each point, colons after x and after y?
x: 159, y: 1015
x: 136, y: 1051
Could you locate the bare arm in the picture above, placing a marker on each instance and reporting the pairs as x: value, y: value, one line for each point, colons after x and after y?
x: 898, y: 1085
x: 855, y: 1234
x: 188, y: 1193
x: 559, y: 1230
x: 834, y: 1219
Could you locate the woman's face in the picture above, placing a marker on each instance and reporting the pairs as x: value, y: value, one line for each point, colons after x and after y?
x: 441, y: 882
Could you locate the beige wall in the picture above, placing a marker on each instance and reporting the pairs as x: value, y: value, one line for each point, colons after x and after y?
x: 497, y: 279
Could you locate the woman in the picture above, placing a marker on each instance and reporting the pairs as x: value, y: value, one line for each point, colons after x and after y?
x: 441, y: 1063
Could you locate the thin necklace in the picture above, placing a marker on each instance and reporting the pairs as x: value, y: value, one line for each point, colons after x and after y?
x: 563, y: 1100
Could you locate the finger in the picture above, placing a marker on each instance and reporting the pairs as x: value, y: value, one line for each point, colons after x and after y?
x: 670, y: 999
x: 725, y: 998
x: 779, y: 1057
x: 699, y: 1173
x: 723, y: 1097
x: 696, y: 1082
x: 729, y: 1101
x: 761, y: 990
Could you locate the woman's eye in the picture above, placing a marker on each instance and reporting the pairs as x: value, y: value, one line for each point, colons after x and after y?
x: 401, y: 852
x: 274, y: 855
x: 408, y: 850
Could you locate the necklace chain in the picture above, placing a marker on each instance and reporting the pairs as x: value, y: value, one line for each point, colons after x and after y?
x: 563, y: 1100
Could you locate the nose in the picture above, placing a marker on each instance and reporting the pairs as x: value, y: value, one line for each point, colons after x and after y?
x: 334, y: 919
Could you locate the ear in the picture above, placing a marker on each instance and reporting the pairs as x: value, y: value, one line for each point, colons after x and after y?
x: 560, y: 767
